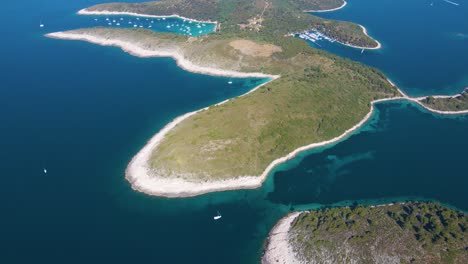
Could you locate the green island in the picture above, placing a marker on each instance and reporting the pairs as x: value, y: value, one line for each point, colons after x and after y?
x: 414, y: 232
x: 318, y: 5
x: 458, y: 102
x: 312, y: 98
x: 256, y: 19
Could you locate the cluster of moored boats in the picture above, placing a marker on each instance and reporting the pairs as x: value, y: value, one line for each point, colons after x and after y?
x: 314, y: 36
x: 186, y: 26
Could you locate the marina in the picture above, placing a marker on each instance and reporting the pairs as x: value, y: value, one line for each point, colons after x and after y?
x: 315, y: 36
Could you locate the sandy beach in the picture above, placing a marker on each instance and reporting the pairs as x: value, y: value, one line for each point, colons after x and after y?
x: 144, y: 180
x: 111, y: 13
x: 327, y: 10
x: 278, y: 249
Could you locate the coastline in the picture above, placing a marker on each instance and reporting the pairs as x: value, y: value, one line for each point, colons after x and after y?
x: 278, y: 249
x: 85, y: 11
x: 138, y: 173
x: 364, y: 30
x: 141, y: 52
x: 327, y: 10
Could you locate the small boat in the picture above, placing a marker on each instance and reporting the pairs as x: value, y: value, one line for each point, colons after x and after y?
x: 217, y: 217
x: 362, y: 51
x: 230, y: 82
x: 41, y: 25
x: 45, y: 171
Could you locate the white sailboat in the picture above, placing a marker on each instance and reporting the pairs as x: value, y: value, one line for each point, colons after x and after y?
x: 41, y: 25
x: 230, y: 82
x: 217, y: 217
x: 45, y: 171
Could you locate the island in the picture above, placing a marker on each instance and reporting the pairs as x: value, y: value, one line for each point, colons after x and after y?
x: 270, y: 18
x: 319, y: 5
x: 310, y: 98
x: 413, y: 232
x: 443, y: 104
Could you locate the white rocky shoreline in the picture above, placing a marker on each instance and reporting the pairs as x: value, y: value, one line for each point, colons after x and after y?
x: 327, y: 10
x: 138, y: 172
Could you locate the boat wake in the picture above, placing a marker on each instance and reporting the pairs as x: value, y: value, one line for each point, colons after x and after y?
x: 450, y: 2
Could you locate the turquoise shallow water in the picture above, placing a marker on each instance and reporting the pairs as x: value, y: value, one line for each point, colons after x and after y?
x: 82, y: 111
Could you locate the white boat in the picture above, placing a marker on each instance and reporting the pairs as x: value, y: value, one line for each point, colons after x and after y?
x: 45, y: 171
x: 362, y: 51
x: 41, y: 25
x: 230, y: 82
x: 217, y: 217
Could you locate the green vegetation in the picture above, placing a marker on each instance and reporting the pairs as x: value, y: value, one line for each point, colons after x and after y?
x: 414, y: 232
x: 318, y: 97
x: 457, y: 103
x: 316, y: 5
x: 261, y: 19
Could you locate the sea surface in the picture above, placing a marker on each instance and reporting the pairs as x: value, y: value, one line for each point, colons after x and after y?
x: 82, y: 111
x: 424, y: 42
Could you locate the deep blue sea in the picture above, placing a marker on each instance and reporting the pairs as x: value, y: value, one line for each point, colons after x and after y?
x: 424, y: 42
x: 82, y: 111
